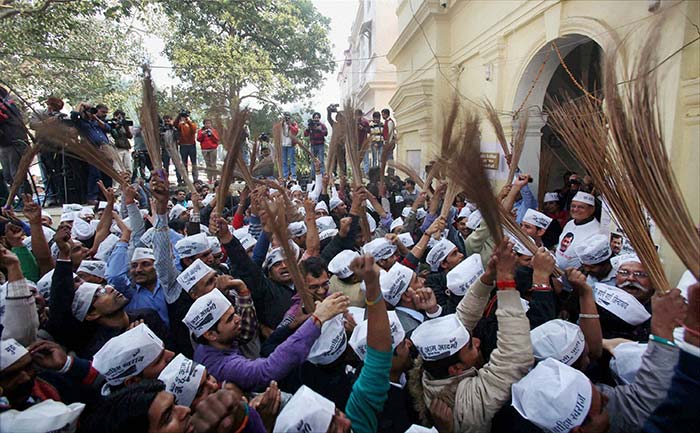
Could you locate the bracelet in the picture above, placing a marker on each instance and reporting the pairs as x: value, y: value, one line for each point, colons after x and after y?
x: 661, y: 340
x: 695, y: 332
x: 541, y: 288
x: 505, y: 284
x: 379, y: 298
x: 67, y: 365
x: 245, y: 420
x: 316, y: 319
x: 588, y: 316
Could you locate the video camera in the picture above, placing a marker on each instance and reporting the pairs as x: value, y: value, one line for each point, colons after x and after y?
x: 333, y: 108
x: 264, y: 137
x: 120, y: 121
x: 311, y: 123
x: 184, y: 113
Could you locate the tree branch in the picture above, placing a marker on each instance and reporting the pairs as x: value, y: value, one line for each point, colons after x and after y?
x: 9, y: 11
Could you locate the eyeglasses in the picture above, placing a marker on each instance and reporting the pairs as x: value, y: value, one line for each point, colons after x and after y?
x: 101, y: 291
x: 323, y: 285
x: 636, y: 274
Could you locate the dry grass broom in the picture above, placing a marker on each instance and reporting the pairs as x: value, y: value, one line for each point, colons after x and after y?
x: 336, y: 145
x: 546, y: 160
x: 495, y: 121
x: 277, y: 140
x: 518, y: 146
x: 149, y: 122
x: 354, y: 158
x: 174, y: 153
x: 235, y: 140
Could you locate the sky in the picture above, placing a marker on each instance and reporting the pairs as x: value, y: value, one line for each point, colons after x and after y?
x: 341, y: 14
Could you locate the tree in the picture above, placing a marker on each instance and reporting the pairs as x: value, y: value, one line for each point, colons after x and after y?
x: 73, y: 49
x: 227, y: 51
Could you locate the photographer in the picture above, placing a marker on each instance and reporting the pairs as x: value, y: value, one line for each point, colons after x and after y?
x: 290, y: 129
x: 187, y: 132
x: 168, y: 133
x: 337, y: 123
x: 121, y: 132
x: 50, y: 162
x: 208, y: 139
x: 142, y: 159
x: 317, y: 132
x: 91, y: 124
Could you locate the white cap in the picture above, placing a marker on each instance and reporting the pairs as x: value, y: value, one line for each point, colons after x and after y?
x: 474, y: 220
x: 142, y: 254
x: 331, y: 343
x: 415, y: 428
x: 48, y: 416
x: 358, y: 339
x: 379, y: 248
x: 82, y: 300
x: 371, y: 222
x: 295, y: 188
x: 421, y: 213
x: 398, y: 199
x: 462, y: 276
x: 176, y: 211
x: 101, y: 205
x: 86, y: 211
x: 325, y: 222
x: 537, y: 219
x: 321, y: 206
x: 626, y: 361
x: 205, y: 312
x: 394, y: 282
x: 596, y: 249
x: 106, y: 246
x: 307, y: 411
x: 621, y: 304
x: 82, y: 230
x: 93, y: 267
x: 44, y: 284
x: 191, y: 276
x: 551, y: 196
x: 192, y: 245
x: 558, y: 339
x: 273, y: 257
x: 11, y: 351
x: 334, y: 202
x: 47, y: 215
x: 127, y: 354
x: 297, y: 229
x: 208, y: 199
x: 553, y: 396
x: 322, y: 236
x: 214, y: 244
x: 72, y: 207
x: 465, y: 212
x: 439, y: 338
x: 518, y: 247
x: 340, y: 264
x: 67, y: 216
x: 585, y: 198
x: 246, y: 239
x: 406, y: 211
x: 406, y: 239
x: 182, y: 377
x: 398, y: 222
x: 439, y: 253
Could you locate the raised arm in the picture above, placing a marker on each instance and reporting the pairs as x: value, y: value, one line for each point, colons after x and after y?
x: 20, y: 321
x: 589, y: 321
x: 40, y: 245
x: 162, y: 248
x: 313, y: 243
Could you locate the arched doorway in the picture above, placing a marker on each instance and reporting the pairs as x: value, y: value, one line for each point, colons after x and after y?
x: 545, y: 77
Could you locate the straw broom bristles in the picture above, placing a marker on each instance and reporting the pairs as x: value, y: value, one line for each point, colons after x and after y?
x: 235, y: 139
x: 174, y: 153
x: 149, y: 122
x: 466, y: 169
x: 22, y: 168
x: 277, y: 150
x: 546, y: 160
x: 583, y: 127
x: 111, y: 152
x: 336, y: 144
x: 263, y: 165
x: 254, y: 155
x: 352, y: 149
x: 492, y: 117
x: 408, y: 171
x: 518, y: 146
x: 635, y: 126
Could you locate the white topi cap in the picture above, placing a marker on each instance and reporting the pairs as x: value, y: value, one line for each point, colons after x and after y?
x: 106, y: 246
x: 82, y: 230
x: 205, y: 312
x: 462, y: 276
x: 182, y: 377
x: 553, y: 396
x: 464, y: 212
x: 127, y: 354
x: 398, y: 222
x: 10, y: 352
x: 394, y: 282
x: 192, y: 245
x: 439, y: 338
x: 474, y: 220
x: 142, y: 254
x: 331, y: 344
x: 439, y: 253
x: 340, y: 264
x: 358, y: 340
x: 585, y: 198
x: 626, y: 361
x: 191, y: 276
x: 214, y: 244
x: 379, y: 248
x: 621, y: 304
x: 297, y: 229
x: 334, y: 202
x: 537, y: 219
x: 321, y: 206
x: 557, y: 339
x: 176, y: 211
x: 96, y: 268
x: 551, y: 196
x: 307, y: 411
x: 82, y: 300
x: 326, y: 234
x: 324, y: 223
x: 406, y: 239
x: 595, y: 250
x: 48, y: 416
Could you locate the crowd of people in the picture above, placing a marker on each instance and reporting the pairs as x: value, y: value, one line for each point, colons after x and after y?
x: 149, y: 311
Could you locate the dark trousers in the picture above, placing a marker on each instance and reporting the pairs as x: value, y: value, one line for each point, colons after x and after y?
x: 189, y: 151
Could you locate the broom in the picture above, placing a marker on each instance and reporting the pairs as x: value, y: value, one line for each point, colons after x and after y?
x: 408, y: 171
x: 174, y: 153
x: 277, y: 140
x: 518, y: 146
x: 354, y: 153
x: 546, y: 160
x: 235, y: 141
x: 635, y: 127
x: 495, y: 121
x: 584, y: 128
x: 22, y: 169
x: 149, y: 122
x: 335, y: 145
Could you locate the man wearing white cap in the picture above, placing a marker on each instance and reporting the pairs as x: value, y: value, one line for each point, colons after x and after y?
x: 214, y: 324
x: 442, y: 258
x: 344, y: 280
x: 191, y: 248
x: 403, y: 289
x: 578, y: 230
x: 552, y: 208
x: 594, y: 256
x: 321, y: 209
x: 383, y: 251
x: 535, y: 224
x: 338, y: 208
x: 557, y: 397
x: 451, y: 359
x: 92, y: 271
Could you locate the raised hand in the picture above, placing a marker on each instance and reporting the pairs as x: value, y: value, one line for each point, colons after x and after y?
x: 267, y: 404
x: 222, y: 411
x: 441, y: 413
x: 542, y: 264
x: 7, y: 257
x: 108, y: 193
x: 424, y: 299
x: 668, y: 312
x: 222, y: 231
x: 437, y: 226
x: 366, y: 270
x: 333, y: 305
x: 505, y: 266
x: 32, y: 210
x: 48, y: 355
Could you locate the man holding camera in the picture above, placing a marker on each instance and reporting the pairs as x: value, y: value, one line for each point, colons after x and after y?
x: 208, y: 139
x: 121, y: 132
x: 187, y: 130
x: 290, y: 129
x: 91, y: 123
x: 50, y: 162
x: 317, y: 132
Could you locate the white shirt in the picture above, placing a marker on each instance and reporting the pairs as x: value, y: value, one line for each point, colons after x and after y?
x: 568, y: 258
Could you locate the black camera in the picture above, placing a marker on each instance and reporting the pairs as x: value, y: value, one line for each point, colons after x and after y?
x: 208, y: 132
x: 184, y: 113
x: 333, y: 108
x: 264, y: 137
x: 311, y: 123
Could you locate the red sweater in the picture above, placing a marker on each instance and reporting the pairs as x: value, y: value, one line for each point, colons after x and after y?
x: 208, y: 142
